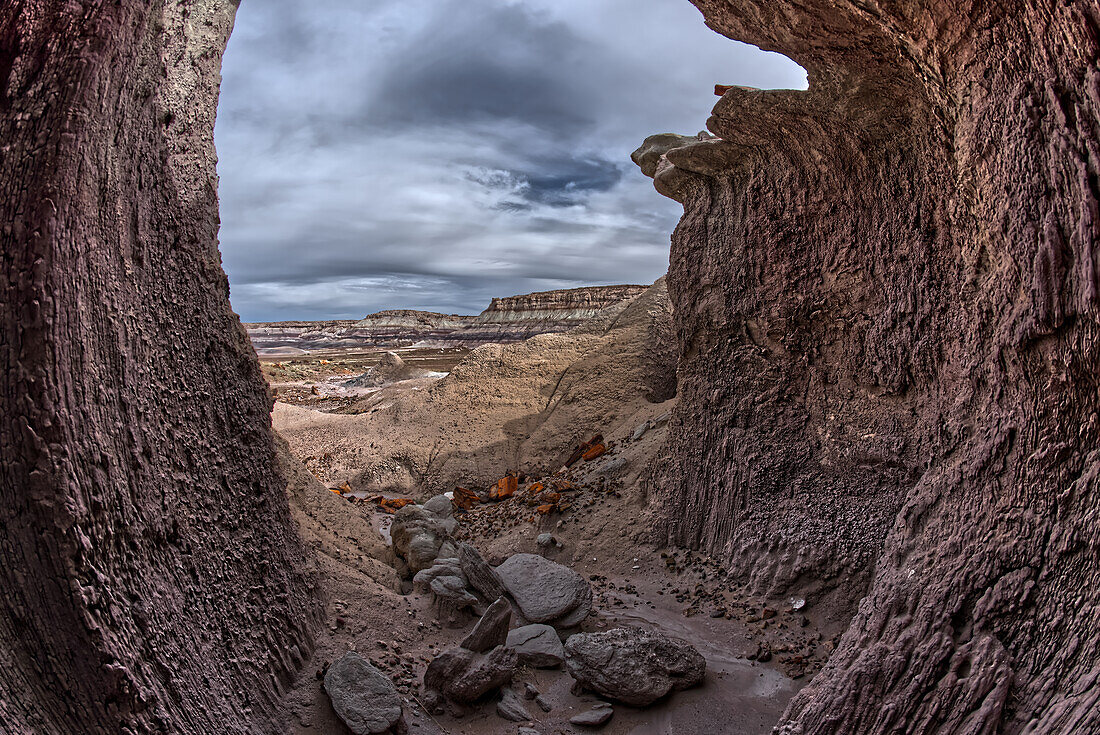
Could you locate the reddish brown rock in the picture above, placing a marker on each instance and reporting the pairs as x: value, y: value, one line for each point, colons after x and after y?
x: 505, y: 488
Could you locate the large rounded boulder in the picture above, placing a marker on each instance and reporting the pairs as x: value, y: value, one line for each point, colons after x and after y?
x: 363, y: 697
x: 632, y: 666
x: 545, y: 591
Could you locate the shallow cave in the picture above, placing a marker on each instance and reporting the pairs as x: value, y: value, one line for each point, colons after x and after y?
x: 914, y: 427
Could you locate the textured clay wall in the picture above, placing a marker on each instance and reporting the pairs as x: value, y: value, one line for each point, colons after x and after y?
x: 152, y: 580
x: 887, y: 297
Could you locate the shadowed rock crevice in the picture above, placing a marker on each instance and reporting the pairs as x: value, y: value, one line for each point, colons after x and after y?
x: 885, y: 294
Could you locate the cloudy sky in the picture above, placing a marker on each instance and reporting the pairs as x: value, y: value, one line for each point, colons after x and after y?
x: 431, y: 154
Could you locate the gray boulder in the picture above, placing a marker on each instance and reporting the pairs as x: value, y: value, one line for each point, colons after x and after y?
x: 594, y: 717
x: 363, y: 697
x: 492, y: 629
x: 537, y: 645
x: 545, y: 591
x: 421, y: 533
x: 635, y: 667
x: 481, y: 576
x: 451, y: 592
x: 465, y: 677
x: 442, y: 567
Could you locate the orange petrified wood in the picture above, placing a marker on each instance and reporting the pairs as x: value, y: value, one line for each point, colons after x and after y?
x: 505, y: 488
x: 594, y: 451
x: 465, y: 499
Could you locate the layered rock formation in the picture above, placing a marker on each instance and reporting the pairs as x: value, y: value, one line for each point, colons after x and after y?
x: 511, y: 319
x: 886, y: 293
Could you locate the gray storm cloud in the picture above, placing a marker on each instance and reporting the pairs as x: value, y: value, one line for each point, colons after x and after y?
x: 431, y: 155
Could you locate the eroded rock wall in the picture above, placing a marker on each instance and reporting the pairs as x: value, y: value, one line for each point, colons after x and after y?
x: 151, y: 577
x: 886, y: 292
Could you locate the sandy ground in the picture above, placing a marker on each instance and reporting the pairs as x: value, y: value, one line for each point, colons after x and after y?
x: 524, y: 407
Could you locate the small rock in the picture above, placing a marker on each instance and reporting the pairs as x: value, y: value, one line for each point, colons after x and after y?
x: 543, y: 703
x: 527, y: 731
x: 545, y: 539
x: 537, y: 645
x: 594, y: 717
x: 363, y: 697
x: 640, y: 431
x: 510, y: 707
x: 530, y: 691
x: 492, y: 629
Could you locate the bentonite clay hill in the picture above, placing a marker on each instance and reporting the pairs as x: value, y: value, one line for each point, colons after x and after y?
x: 886, y: 296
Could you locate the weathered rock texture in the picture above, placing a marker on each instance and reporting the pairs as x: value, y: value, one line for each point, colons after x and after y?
x: 151, y: 578
x: 886, y: 294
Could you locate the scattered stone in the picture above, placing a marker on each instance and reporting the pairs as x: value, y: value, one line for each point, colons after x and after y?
x: 640, y: 431
x: 546, y: 591
x: 537, y: 645
x: 594, y: 717
x: 545, y: 539
x: 632, y: 666
x: 543, y: 703
x: 492, y: 629
x: 510, y: 707
x: 614, y: 466
x: 527, y: 731
x: 363, y: 697
x: 595, y: 451
x: 530, y: 691
x: 480, y: 575
x: 505, y: 488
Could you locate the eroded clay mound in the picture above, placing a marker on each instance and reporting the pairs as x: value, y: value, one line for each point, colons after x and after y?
x: 521, y: 406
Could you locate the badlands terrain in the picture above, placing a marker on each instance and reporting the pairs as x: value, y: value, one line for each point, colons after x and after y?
x: 886, y: 317
x: 510, y: 481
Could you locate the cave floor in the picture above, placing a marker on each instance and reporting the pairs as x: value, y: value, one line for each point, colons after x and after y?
x: 681, y: 594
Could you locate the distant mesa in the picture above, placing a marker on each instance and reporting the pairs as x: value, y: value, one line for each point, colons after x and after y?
x: 510, y: 319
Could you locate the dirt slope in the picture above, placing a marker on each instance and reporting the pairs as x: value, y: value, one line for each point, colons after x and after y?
x: 516, y: 407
